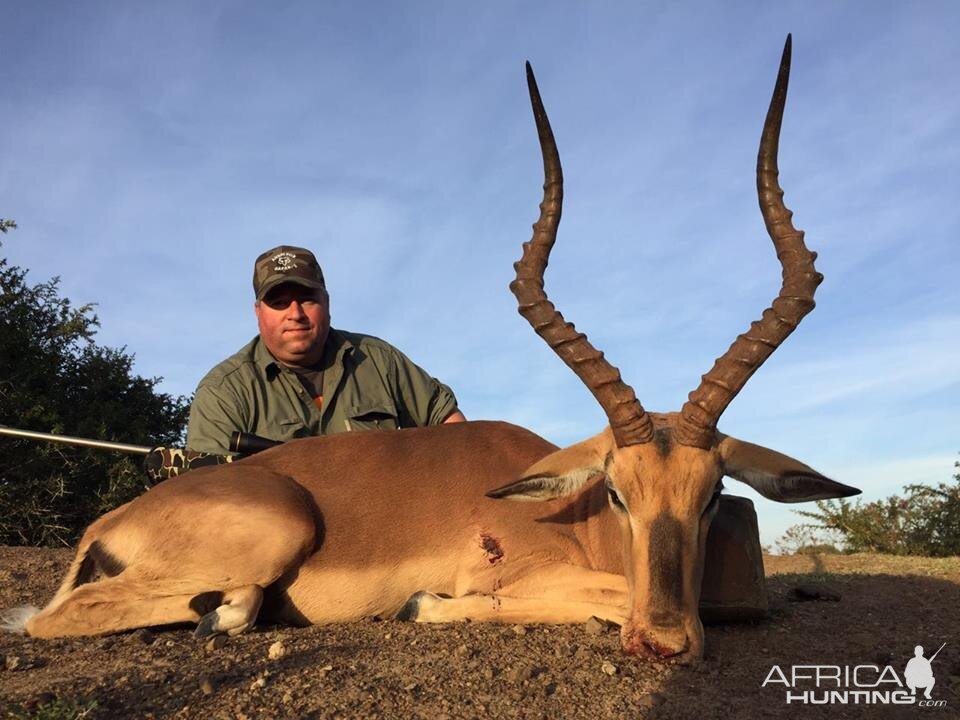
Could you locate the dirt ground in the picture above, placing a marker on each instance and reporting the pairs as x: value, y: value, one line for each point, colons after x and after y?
x: 390, y: 669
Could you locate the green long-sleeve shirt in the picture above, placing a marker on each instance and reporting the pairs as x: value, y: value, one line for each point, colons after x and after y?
x: 367, y: 385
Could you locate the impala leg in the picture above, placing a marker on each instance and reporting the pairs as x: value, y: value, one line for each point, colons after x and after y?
x: 236, y: 614
x: 111, y: 605
x: 115, y: 604
x: 429, y: 608
x: 555, y: 593
x: 563, y: 581
x: 201, y: 546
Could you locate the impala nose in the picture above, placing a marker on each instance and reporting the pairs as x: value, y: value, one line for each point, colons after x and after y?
x: 656, y: 644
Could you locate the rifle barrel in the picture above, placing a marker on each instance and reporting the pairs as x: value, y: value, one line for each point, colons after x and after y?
x: 83, y: 442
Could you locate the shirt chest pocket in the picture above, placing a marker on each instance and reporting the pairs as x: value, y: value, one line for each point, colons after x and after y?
x: 372, y: 414
x: 285, y: 429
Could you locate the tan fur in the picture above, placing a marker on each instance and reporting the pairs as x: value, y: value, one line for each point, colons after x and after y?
x: 338, y: 528
x: 204, y: 532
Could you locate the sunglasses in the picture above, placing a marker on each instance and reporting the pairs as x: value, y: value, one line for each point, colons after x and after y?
x: 282, y: 300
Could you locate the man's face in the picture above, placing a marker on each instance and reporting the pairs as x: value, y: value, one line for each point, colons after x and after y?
x: 294, y: 322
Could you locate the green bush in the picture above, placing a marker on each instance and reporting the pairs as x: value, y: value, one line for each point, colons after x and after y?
x: 56, y: 709
x: 924, y: 520
x: 54, y: 378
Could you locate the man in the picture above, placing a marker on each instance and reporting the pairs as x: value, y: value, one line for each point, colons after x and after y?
x: 300, y: 377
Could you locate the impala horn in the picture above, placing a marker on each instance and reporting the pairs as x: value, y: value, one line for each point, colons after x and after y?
x: 630, y: 423
x: 698, y: 418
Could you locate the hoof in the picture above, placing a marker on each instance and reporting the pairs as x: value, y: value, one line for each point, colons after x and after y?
x: 207, y: 627
x: 411, y: 608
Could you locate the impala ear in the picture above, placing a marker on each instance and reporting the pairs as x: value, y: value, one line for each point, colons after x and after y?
x: 538, y: 488
x: 562, y: 473
x: 777, y: 476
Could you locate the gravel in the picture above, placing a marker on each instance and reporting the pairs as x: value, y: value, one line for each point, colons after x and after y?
x: 464, y: 670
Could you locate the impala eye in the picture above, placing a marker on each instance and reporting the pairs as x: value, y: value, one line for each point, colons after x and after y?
x: 615, y: 498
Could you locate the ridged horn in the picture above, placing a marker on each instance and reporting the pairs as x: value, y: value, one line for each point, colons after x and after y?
x: 629, y: 421
x: 699, y: 416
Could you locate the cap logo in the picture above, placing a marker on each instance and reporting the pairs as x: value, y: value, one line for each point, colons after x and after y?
x: 284, y: 262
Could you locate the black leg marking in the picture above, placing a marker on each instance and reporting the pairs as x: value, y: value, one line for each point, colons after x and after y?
x: 97, y: 563
x: 107, y: 563
x: 205, y: 628
x: 206, y: 602
x: 411, y: 608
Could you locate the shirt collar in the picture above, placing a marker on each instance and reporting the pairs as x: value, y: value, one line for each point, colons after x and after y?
x: 337, y: 347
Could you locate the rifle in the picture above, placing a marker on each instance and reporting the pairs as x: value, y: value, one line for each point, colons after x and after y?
x: 159, y: 462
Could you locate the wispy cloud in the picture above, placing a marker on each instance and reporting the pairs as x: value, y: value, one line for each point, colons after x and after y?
x: 901, y: 362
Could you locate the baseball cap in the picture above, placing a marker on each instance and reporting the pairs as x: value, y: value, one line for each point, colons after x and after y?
x: 286, y: 264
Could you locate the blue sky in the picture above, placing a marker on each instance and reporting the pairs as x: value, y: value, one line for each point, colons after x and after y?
x: 149, y: 152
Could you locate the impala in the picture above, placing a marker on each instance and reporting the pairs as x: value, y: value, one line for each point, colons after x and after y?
x: 410, y: 523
